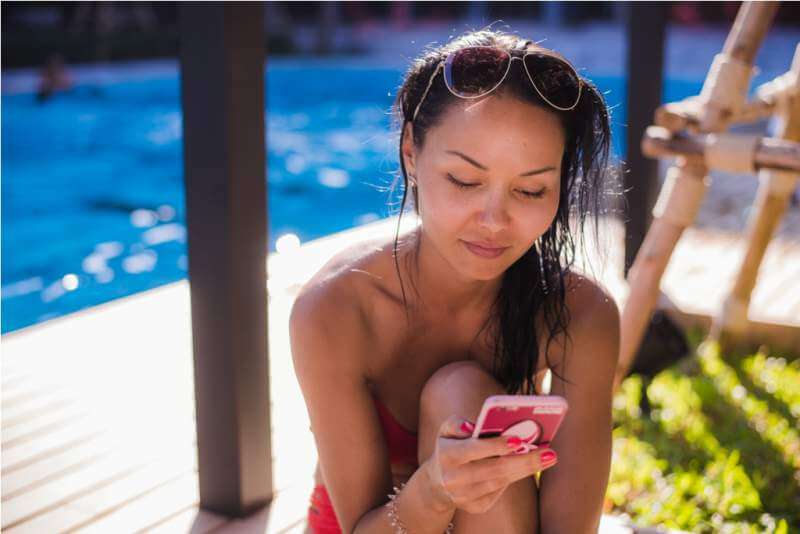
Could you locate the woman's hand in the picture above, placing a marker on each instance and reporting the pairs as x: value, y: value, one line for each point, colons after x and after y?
x: 471, y: 474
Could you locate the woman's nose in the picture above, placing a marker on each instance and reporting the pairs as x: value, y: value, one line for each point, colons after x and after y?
x: 494, y: 215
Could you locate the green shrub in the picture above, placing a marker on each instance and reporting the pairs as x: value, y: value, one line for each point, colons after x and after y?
x: 719, y: 450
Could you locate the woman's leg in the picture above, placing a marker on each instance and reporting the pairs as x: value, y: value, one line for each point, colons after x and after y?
x: 459, y: 389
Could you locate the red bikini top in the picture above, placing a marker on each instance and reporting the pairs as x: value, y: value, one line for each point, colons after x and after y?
x: 401, y: 442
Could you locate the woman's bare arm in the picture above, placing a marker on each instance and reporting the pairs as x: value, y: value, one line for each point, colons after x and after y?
x: 571, y: 493
x: 330, y: 346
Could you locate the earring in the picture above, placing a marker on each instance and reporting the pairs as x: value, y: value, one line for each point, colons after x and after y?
x: 413, y: 180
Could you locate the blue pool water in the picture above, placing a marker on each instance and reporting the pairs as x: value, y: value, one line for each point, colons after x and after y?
x: 92, y: 191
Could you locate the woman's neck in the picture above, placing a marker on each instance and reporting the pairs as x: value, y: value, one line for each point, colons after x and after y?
x: 440, y: 288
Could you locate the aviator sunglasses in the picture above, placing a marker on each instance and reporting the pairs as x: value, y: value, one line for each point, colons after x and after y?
x: 475, y: 71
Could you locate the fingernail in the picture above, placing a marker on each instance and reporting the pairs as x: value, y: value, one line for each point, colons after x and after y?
x: 548, y: 458
x: 513, y: 442
x: 466, y: 426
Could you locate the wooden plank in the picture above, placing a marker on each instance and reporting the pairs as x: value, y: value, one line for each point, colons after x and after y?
x: 778, y: 336
x: 18, y: 457
x: 149, y: 509
x: 47, y: 421
x: 71, y: 459
x: 35, y: 407
x: 54, y: 522
x: 773, y: 297
x: 98, y: 474
x: 158, y: 473
x: 192, y: 519
x: 52, y: 467
x: 15, y: 457
x: 132, y: 418
x: 57, y: 493
x: 287, y: 511
x: 111, y: 497
x: 12, y: 386
x: 299, y: 528
x: 11, y: 373
x: 30, y: 389
x: 775, y: 293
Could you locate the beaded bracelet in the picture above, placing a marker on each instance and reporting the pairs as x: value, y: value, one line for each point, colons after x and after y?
x: 398, y: 525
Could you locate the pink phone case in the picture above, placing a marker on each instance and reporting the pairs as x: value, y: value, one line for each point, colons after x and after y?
x: 533, y: 418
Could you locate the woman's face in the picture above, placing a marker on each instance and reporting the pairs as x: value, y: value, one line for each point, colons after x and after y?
x: 509, y: 154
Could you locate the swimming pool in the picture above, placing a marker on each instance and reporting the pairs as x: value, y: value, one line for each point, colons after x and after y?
x: 92, y: 180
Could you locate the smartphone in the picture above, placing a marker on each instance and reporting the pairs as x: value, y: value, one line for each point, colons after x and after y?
x: 533, y: 418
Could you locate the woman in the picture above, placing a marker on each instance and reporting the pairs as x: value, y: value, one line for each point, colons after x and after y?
x: 397, y: 345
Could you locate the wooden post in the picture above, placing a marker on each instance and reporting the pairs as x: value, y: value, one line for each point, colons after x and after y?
x: 676, y: 209
x: 774, y: 193
x: 732, y: 153
x: 728, y: 80
x: 222, y: 90
x: 646, y: 27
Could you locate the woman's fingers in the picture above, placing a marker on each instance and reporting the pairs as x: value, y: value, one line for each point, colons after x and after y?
x: 467, y: 450
x: 477, y: 487
x: 507, y: 469
x: 455, y: 427
x: 473, y: 473
x: 518, y: 466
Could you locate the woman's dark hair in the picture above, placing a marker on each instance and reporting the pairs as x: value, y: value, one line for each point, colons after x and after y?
x: 535, y: 283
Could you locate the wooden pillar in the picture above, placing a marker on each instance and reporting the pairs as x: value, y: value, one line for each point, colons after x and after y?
x: 646, y: 28
x: 222, y: 91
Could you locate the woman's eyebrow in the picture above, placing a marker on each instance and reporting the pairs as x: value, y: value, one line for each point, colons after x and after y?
x: 484, y: 168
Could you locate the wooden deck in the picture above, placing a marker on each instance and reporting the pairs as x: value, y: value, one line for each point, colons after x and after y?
x: 98, y: 427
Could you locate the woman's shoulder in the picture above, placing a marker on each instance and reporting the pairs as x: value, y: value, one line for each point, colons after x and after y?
x: 594, y: 321
x: 592, y: 318
x: 585, y: 297
x: 356, y: 288
x: 357, y: 274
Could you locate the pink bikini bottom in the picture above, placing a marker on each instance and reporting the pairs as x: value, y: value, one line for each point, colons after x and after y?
x: 321, y: 516
x: 402, y: 445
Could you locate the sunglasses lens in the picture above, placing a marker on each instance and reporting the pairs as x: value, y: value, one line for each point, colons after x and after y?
x: 554, y: 79
x: 476, y: 70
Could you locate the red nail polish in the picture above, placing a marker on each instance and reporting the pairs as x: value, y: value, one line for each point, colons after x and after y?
x: 548, y: 457
x: 514, y: 442
x: 466, y: 426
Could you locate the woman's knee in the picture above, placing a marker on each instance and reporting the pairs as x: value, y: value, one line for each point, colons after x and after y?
x: 459, y: 389
x: 456, y: 384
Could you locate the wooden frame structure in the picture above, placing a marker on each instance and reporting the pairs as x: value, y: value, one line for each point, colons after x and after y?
x: 694, y: 131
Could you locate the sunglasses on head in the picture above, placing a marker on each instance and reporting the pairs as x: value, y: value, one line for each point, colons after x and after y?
x: 475, y: 71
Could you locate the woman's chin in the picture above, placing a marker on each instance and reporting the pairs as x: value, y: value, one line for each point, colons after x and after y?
x: 487, y: 277
x: 482, y: 271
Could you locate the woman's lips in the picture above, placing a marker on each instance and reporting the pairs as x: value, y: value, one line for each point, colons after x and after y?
x: 484, y: 252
